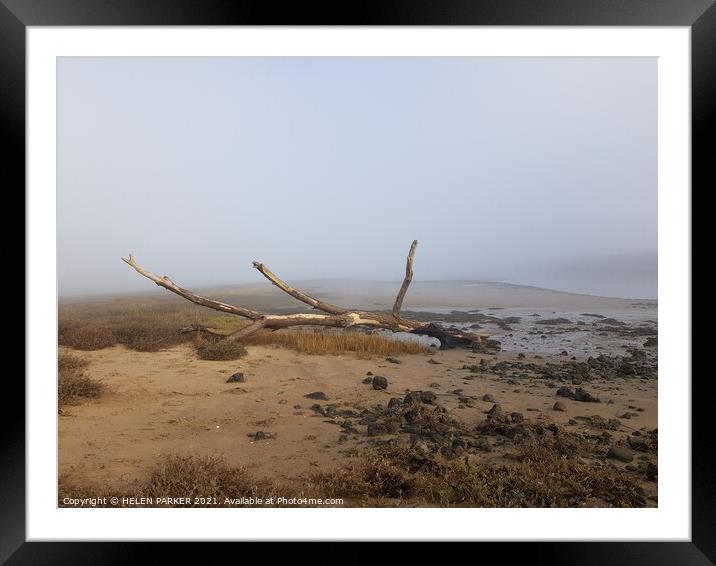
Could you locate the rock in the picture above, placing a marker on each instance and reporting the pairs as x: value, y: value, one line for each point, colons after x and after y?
x: 565, y: 392
x: 581, y: 395
x: 393, y: 360
x: 564, y: 353
x: 559, y: 406
x: 394, y: 402
x: 495, y: 410
x: 432, y: 361
x: 377, y: 428
x: 638, y: 442
x: 553, y: 321
x: 319, y: 395
x: 611, y: 322
x: 651, y: 342
x: 434, y: 385
x: 621, y: 454
x: 626, y: 415
x: 238, y: 377
x: 369, y: 373
x: 521, y: 356
x: 576, y: 381
x: 428, y: 397
x: 380, y: 382
x: 413, y: 398
x: 488, y: 398
x: 517, y: 417
x: 261, y: 435
x: 367, y: 380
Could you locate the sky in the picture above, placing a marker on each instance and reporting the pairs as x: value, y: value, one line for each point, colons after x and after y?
x: 538, y: 171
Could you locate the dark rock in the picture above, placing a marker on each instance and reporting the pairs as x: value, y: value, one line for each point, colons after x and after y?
x: 553, y: 321
x: 521, y: 356
x: 488, y: 398
x: 261, y: 435
x: 495, y: 410
x: 238, y: 377
x: 638, y: 442
x: 382, y: 427
x: 565, y: 392
x: 517, y: 417
x: 428, y: 397
x: 434, y: 385
x: 432, y: 361
x: 369, y: 373
x: 394, y: 402
x: 611, y: 322
x: 319, y: 395
x: 621, y: 454
x: 413, y: 398
x: 581, y: 395
x: 564, y: 353
x: 367, y: 380
x: 380, y: 382
x: 393, y: 360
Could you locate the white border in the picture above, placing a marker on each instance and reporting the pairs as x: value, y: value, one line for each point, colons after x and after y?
x: 671, y: 521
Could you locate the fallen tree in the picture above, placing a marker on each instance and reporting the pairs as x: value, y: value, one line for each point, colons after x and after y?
x: 330, y: 316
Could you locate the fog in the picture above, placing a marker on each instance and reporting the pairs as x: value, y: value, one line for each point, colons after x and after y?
x: 538, y: 171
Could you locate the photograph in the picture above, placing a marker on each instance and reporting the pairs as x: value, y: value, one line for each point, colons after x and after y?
x: 357, y: 282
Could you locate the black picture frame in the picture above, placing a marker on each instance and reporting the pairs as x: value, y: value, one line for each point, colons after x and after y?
x: 699, y: 15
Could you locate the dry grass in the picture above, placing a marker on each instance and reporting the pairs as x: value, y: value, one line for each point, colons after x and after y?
x: 141, y: 326
x: 399, y: 476
x: 221, y: 350
x: 153, y: 326
x: 193, y: 476
x: 179, y: 476
x: 73, y: 383
x: 323, y: 342
x: 394, y: 476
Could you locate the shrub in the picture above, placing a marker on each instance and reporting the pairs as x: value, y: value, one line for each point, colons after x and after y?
x: 221, y: 350
x: 73, y: 384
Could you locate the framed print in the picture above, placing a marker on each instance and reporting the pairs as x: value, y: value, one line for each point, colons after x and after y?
x: 421, y: 274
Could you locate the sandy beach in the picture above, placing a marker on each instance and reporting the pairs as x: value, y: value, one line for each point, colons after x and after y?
x: 295, y: 414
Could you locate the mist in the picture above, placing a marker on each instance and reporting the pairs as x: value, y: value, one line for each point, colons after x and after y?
x: 536, y: 171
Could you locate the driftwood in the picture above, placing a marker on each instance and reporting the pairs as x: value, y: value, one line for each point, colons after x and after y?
x: 330, y: 316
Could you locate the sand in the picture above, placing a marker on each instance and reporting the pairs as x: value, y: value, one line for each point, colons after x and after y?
x: 170, y: 402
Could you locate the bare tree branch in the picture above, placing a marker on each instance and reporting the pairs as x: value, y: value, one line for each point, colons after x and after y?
x: 194, y: 298
x: 337, y: 317
x: 315, y: 303
x: 406, y: 282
